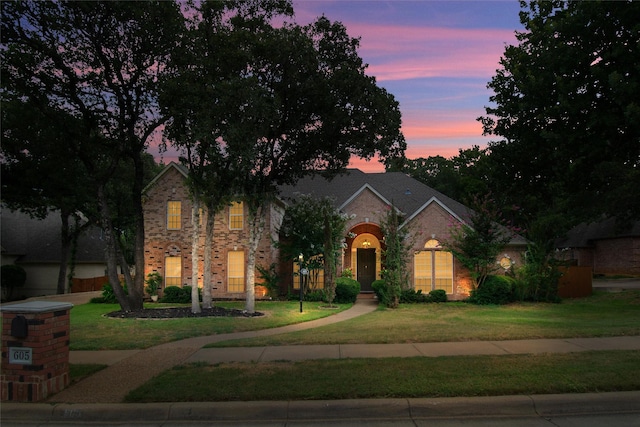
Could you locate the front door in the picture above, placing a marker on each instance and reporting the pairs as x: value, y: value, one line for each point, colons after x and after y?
x: 366, y: 268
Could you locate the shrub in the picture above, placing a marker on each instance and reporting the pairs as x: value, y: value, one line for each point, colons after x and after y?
x: 108, y: 296
x: 176, y: 294
x: 314, y: 296
x: 409, y: 296
x: 412, y: 296
x: 438, y: 295
x: 495, y: 290
x: 380, y: 288
x: 12, y: 276
x: 347, y: 290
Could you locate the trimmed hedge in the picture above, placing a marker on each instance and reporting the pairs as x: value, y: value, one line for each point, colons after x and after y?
x: 495, y: 290
x: 347, y: 290
x: 411, y: 296
x: 177, y: 294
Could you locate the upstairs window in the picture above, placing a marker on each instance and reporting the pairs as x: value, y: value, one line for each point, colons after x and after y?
x: 236, y: 216
x: 174, y: 215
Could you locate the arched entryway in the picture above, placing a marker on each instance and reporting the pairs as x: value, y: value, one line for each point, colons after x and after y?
x: 364, y: 254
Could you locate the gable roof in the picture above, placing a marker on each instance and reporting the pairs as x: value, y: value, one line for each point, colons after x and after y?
x: 38, y: 241
x: 409, y: 195
x: 171, y: 166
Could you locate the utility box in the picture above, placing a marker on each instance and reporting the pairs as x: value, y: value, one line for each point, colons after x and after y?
x: 35, y: 350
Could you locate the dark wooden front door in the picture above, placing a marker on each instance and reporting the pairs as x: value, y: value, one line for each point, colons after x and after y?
x: 366, y: 268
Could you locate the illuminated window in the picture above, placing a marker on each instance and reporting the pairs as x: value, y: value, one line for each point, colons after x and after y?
x: 236, y: 216
x: 174, y: 212
x: 173, y: 271
x: 235, y: 271
x: 433, y: 269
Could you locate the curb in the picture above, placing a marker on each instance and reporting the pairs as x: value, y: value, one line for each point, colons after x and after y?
x: 331, y: 410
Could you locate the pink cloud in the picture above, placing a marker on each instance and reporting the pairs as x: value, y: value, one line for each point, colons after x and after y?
x: 401, y: 52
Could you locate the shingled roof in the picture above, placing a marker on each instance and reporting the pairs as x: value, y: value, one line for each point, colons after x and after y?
x: 407, y: 194
x: 585, y: 234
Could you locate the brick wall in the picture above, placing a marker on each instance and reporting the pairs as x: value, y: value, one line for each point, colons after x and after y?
x: 48, y: 337
x: 161, y: 242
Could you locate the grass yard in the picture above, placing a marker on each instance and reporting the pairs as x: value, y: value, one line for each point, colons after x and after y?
x: 91, y: 330
x: 397, y: 378
x: 603, y: 314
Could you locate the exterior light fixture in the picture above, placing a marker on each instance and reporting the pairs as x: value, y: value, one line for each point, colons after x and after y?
x: 366, y: 243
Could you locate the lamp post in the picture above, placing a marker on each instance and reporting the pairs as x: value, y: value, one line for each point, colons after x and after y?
x: 303, y: 273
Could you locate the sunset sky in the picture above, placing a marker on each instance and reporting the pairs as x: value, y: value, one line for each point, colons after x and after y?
x: 435, y: 57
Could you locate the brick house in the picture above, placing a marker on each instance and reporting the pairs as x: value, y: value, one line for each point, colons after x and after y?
x: 603, y: 247
x: 365, y: 197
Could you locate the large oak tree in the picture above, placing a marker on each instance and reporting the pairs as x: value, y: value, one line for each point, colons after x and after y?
x: 567, y: 105
x: 100, y: 63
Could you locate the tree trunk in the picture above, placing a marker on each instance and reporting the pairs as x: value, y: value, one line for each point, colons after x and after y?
x: 112, y: 252
x: 65, y: 249
x: 195, y: 241
x: 136, y: 288
x: 256, y: 227
x: 208, y: 247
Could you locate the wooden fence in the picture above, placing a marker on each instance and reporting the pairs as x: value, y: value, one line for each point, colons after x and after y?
x: 575, y: 282
x: 89, y: 285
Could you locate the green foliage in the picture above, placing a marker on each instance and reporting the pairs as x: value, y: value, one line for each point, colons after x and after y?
x: 347, y: 290
x: 347, y: 272
x: 477, y: 243
x: 314, y: 228
x: 108, y: 296
x: 12, y: 276
x: 153, y: 282
x: 537, y: 279
x: 270, y: 279
x: 396, y: 257
x: 177, y: 294
x: 565, y: 107
x: 495, y: 290
x: 457, y: 177
x: 410, y: 296
x: 438, y: 295
x: 381, y: 290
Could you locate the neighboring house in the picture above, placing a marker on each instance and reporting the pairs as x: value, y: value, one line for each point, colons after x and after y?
x: 35, y: 245
x: 602, y: 247
x: 365, y: 197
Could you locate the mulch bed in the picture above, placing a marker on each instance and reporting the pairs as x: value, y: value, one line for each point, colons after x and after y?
x: 180, y: 312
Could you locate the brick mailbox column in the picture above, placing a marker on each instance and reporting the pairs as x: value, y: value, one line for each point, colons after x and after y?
x: 35, y: 350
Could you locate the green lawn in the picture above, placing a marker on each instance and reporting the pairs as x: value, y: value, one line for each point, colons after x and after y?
x: 397, y: 378
x: 91, y: 330
x: 603, y: 314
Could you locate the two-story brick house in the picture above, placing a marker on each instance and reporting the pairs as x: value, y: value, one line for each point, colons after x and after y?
x: 365, y: 197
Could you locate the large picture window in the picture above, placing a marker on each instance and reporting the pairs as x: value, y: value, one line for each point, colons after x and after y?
x: 235, y: 271
x: 433, y: 269
x: 174, y: 214
x: 236, y: 216
x: 173, y: 271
